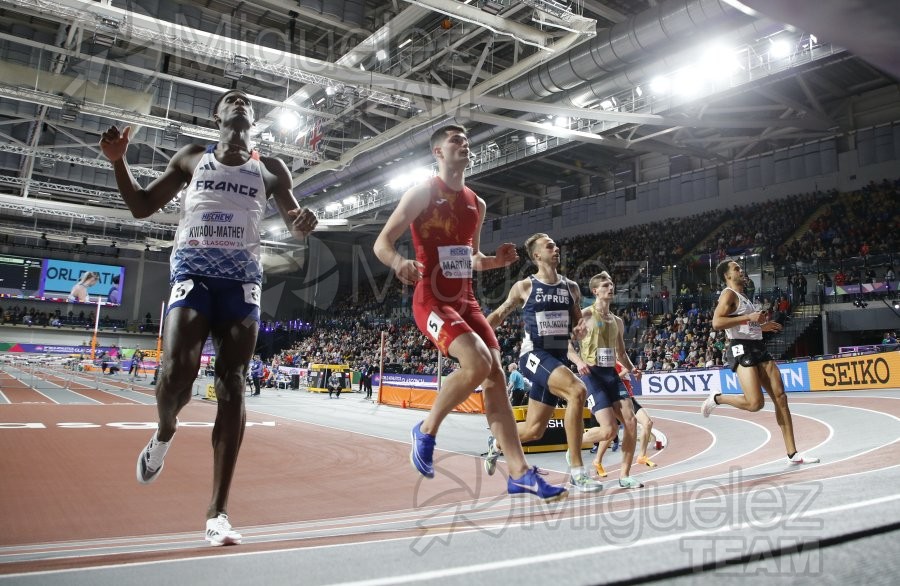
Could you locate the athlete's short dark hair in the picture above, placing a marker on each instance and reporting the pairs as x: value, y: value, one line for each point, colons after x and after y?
x: 722, y: 268
x: 218, y: 103
x: 441, y: 133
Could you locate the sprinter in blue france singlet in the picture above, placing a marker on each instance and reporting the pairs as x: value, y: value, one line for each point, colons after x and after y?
x: 218, y: 235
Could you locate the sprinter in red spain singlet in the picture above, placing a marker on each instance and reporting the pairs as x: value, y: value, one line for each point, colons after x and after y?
x: 445, y: 218
x: 445, y: 306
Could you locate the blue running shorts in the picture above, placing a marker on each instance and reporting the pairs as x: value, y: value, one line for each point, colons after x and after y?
x: 537, y: 365
x: 604, y: 387
x: 219, y: 300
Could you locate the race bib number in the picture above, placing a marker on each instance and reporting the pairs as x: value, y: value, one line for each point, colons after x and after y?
x: 180, y: 290
x: 251, y: 293
x: 456, y: 261
x: 532, y: 363
x: 606, y: 357
x: 215, y: 229
x: 552, y: 323
x: 737, y: 350
x: 434, y: 325
x: 590, y: 402
x: 752, y: 329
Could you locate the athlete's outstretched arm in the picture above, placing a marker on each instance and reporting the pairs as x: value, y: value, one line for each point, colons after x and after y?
x: 144, y: 202
x: 411, y: 205
x: 516, y: 299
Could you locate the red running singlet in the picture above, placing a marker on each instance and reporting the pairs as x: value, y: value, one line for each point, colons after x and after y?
x: 444, y: 303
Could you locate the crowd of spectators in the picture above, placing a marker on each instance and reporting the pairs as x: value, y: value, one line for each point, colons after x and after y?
x: 30, y: 316
x: 860, y: 224
x: 762, y: 226
x: 681, y: 340
x: 357, y: 344
x: 626, y: 254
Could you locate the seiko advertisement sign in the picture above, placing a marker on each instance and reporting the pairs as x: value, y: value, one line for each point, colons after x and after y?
x: 871, y: 371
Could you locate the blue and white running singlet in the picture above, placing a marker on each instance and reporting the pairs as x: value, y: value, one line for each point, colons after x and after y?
x: 218, y: 235
x: 546, y: 316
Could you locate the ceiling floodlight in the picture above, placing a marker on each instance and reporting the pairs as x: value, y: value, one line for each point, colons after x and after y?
x: 381, y: 54
x: 406, y: 180
x: 530, y: 139
x: 561, y: 121
x: 779, y: 49
x: 719, y: 61
x: 349, y: 201
x: 288, y: 120
x: 688, y: 82
x: 333, y: 207
x: 660, y: 85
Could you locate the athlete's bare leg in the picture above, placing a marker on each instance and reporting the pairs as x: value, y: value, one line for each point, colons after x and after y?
x: 606, y: 430
x: 479, y: 365
x: 751, y: 385
x: 646, y: 425
x: 536, y: 420
x: 564, y: 384
x: 234, y: 343
x: 624, y: 412
x: 186, y: 331
x: 771, y: 380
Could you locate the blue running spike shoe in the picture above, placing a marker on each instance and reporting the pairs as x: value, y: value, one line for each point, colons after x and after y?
x: 532, y: 483
x: 422, y: 453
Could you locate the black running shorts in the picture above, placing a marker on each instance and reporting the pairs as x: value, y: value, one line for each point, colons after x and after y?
x: 746, y: 353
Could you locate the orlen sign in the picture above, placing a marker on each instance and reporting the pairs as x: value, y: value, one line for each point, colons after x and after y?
x: 872, y: 371
x: 691, y: 382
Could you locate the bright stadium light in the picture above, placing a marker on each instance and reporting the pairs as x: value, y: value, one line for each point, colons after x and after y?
x: 407, y: 179
x: 719, y: 61
x: 660, y: 85
x: 779, y: 48
x: 288, y: 120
